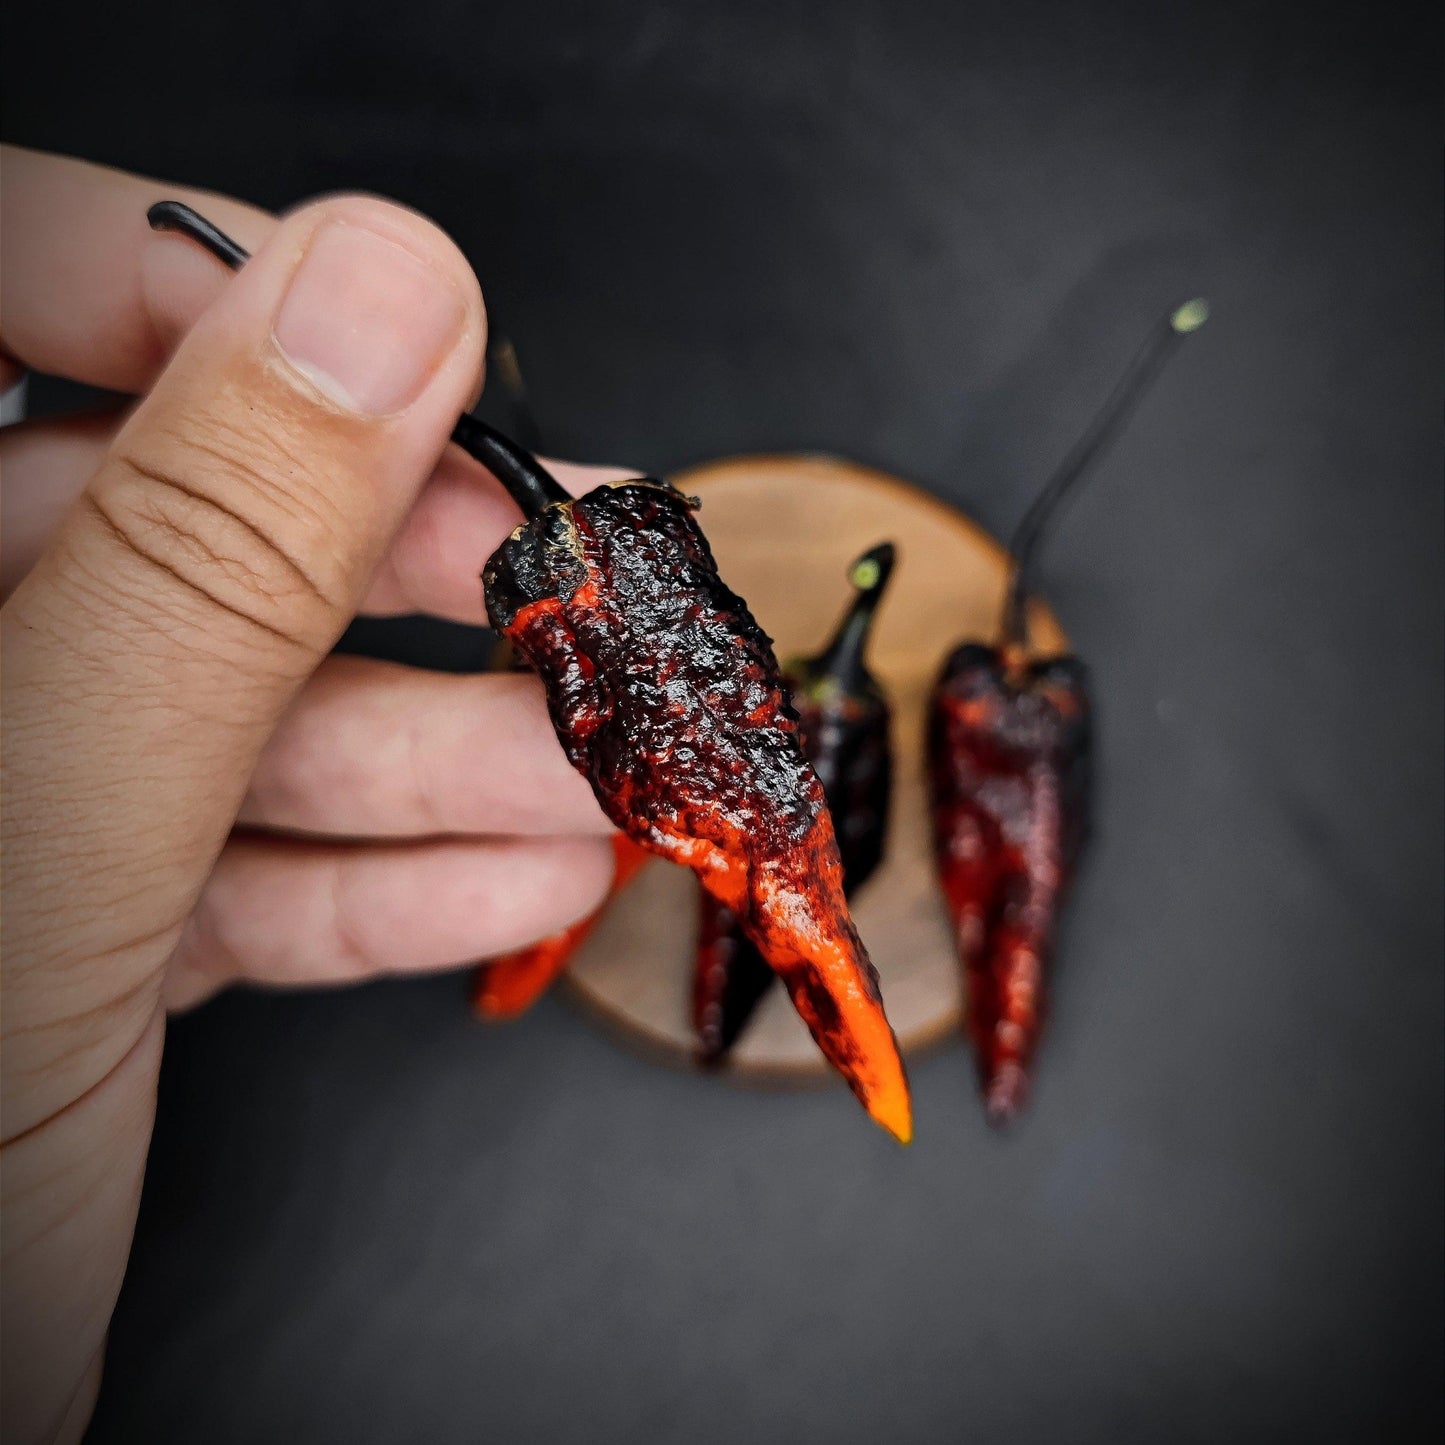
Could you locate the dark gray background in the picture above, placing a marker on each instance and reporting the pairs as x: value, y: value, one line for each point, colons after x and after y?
x: 925, y: 236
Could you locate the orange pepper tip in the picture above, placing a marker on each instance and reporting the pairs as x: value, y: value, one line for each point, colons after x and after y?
x: 892, y: 1109
x: 490, y: 1013
x: 496, y: 1005
x: 489, y: 1009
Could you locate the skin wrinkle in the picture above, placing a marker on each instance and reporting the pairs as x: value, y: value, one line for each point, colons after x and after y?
x: 43, y: 723
x: 332, y: 592
x: 272, y: 545
x: 101, y: 906
x: 74, y: 580
x: 149, y: 677
x: 88, y: 843
x: 72, y: 1188
x: 129, y: 1042
x: 330, y: 523
x: 65, y: 1165
x: 128, y: 537
x: 86, y: 857
x: 235, y: 568
x: 91, y: 1043
x: 85, y: 954
x: 91, y: 651
x: 209, y: 440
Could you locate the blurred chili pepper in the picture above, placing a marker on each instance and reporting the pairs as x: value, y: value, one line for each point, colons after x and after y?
x: 667, y: 697
x: 843, y: 721
x: 510, y: 985
x: 1008, y: 747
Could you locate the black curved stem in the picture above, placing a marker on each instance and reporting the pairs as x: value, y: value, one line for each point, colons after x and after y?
x: 1160, y: 344
x: 844, y: 659
x: 530, y: 484
x: 177, y: 216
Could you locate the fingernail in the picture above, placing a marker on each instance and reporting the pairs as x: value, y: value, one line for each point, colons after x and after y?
x: 367, y: 322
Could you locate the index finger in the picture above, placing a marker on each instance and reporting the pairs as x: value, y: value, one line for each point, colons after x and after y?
x: 87, y: 290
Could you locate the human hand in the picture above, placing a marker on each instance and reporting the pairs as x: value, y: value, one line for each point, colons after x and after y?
x: 174, y: 586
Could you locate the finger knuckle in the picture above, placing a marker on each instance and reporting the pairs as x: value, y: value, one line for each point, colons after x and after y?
x: 210, y: 525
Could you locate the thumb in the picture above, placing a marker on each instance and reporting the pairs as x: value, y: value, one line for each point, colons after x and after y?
x: 214, y: 558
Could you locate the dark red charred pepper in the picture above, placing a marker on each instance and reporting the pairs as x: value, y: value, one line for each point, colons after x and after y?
x: 667, y: 697
x: 843, y: 721
x: 1008, y: 754
x: 505, y: 988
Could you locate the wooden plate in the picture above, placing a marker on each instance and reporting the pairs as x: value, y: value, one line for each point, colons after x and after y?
x: 784, y: 529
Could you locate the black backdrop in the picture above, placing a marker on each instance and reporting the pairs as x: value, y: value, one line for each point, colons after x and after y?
x: 925, y: 236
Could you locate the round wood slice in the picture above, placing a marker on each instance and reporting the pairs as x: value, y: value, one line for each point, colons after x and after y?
x: 784, y: 530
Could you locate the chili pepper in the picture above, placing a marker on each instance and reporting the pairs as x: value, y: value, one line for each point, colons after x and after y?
x: 510, y: 985
x: 667, y: 697
x: 506, y: 987
x: 843, y: 721
x: 1009, y: 739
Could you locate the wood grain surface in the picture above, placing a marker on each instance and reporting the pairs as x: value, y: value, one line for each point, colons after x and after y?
x: 784, y: 529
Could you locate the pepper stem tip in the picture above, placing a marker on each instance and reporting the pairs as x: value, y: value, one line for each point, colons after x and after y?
x: 177, y: 216
x: 873, y: 567
x: 1190, y: 316
x: 843, y: 658
x: 1108, y: 422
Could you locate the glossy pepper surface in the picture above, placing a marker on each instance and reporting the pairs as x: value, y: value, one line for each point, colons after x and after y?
x: 504, y: 988
x: 1009, y: 738
x: 843, y: 723
x: 667, y: 697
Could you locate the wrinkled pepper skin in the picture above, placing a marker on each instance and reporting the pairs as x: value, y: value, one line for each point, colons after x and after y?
x: 844, y: 731
x: 507, y: 987
x: 1008, y: 755
x: 667, y: 697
